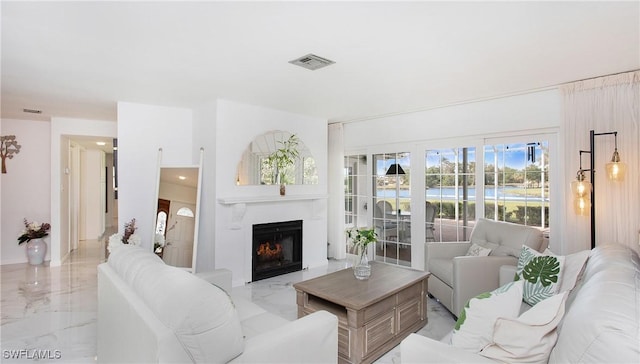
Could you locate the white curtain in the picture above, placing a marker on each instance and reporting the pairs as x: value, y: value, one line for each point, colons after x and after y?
x: 604, y: 104
x: 335, y: 215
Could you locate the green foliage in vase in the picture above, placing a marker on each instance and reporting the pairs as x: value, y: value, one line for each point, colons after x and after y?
x: 362, y: 237
x: 284, y: 157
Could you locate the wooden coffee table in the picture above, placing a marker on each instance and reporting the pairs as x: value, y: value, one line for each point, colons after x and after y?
x: 374, y: 315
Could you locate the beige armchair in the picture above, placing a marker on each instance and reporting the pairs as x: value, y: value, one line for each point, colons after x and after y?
x: 456, y: 278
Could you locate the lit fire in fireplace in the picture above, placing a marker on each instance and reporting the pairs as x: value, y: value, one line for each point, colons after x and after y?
x: 266, y: 252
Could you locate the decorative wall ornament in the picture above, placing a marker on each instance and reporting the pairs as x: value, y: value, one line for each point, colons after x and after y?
x: 9, y: 147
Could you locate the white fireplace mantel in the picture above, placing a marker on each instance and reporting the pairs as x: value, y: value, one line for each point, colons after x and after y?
x: 239, y: 205
x: 268, y: 199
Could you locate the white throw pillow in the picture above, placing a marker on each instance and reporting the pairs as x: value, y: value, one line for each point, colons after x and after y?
x: 476, y: 250
x: 541, y: 274
x: 530, y: 337
x: 573, y: 266
x: 474, y: 327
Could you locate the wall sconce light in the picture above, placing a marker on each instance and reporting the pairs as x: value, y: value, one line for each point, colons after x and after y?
x: 584, y: 191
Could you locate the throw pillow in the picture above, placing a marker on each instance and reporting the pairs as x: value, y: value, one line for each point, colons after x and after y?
x: 530, y: 337
x: 476, y: 250
x: 540, y: 273
x: 573, y: 266
x: 474, y: 327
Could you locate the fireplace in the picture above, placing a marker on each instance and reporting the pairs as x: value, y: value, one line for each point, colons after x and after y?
x: 277, y: 249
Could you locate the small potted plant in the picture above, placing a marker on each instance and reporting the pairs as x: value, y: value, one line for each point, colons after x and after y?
x: 360, y: 239
x: 284, y: 158
x: 129, y: 237
x: 32, y: 235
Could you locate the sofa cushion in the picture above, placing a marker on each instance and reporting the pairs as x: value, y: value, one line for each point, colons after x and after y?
x: 201, y: 315
x: 508, y: 236
x: 246, y: 309
x: 261, y: 323
x: 540, y: 273
x: 530, y: 337
x: 443, y: 269
x: 573, y: 266
x: 603, y: 322
x: 474, y: 327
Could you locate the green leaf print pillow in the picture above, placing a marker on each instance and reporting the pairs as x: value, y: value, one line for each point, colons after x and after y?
x: 540, y: 274
x: 474, y: 327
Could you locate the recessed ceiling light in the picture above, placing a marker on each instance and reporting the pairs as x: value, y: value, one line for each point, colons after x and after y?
x: 32, y: 111
x: 182, y: 177
x: 101, y: 143
x: 312, y: 62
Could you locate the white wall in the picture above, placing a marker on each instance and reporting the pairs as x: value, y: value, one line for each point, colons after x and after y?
x: 25, y: 186
x: 537, y: 110
x: 176, y: 192
x: 237, y: 125
x: 111, y: 203
x: 142, y: 130
x: 93, y: 179
x: 61, y: 127
x: 529, y: 113
x: 204, y: 136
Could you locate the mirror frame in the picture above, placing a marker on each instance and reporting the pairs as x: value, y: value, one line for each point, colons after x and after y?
x: 196, y: 227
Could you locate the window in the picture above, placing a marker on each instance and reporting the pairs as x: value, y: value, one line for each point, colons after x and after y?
x: 392, y: 207
x: 161, y: 222
x: 185, y: 211
x: 450, y: 193
x: 355, y: 192
x: 516, y: 183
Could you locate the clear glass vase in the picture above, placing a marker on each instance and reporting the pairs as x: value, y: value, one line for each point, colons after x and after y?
x: 362, y: 269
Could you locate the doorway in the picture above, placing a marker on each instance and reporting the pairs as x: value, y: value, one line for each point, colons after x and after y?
x: 88, y: 207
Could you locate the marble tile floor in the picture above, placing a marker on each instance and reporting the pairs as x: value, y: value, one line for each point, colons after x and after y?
x: 51, y: 311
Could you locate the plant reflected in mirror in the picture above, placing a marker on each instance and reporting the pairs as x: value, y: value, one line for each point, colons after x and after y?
x: 265, y: 157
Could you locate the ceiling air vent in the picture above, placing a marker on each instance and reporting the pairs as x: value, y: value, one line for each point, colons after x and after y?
x: 311, y: 62
x: 32, y: 111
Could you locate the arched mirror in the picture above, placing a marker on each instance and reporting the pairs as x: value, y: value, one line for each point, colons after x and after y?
x: 254, y: 168
x: 177, y: 214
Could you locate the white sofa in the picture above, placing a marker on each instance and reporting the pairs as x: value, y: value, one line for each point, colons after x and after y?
x: 149, y: 312
x: 601, y: 323
x: 456, y: 278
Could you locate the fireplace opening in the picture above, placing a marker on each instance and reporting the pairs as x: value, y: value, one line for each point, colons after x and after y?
x: 277, y: 249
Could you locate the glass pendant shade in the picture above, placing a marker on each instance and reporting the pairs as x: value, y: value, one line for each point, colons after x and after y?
x: 616, y: 169
x: 581, y: 188
x: 582, y: 206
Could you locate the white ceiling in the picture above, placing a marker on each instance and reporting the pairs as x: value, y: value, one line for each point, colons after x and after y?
x: 77, y: 59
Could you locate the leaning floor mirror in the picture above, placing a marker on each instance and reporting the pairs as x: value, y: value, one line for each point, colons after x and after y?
x: 177, y: 213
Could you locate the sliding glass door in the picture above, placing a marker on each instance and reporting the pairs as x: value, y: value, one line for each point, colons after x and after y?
x: 392, y: 207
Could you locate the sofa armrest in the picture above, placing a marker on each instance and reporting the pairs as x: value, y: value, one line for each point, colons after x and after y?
x: 475, y: 275
x: 419, y: 349
x: 310, y: 339
x: 507, y: 274
x: 218, y: 277
x: 447, y: 250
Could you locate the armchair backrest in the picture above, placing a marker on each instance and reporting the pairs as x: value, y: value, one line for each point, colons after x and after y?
x: 505, y: 238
